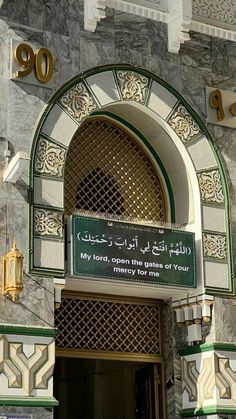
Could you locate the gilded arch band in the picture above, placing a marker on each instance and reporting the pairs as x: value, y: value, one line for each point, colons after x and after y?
x: 170, y: 128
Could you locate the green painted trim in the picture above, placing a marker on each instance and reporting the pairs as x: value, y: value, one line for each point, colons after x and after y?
x: 206, y: 347
x: 29, y: 401
x: 152, y: 151
x: 210, y: 410
x: 28, y: 330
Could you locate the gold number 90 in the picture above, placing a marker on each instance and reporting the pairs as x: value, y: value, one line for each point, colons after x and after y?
x: 41, y: 62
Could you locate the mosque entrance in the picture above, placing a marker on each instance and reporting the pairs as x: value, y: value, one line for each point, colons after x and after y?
x: 105, y: 389
x: 109, y: 360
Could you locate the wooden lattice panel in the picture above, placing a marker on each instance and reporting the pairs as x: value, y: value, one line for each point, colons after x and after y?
x: 97, y: 325
x: 108, y: 172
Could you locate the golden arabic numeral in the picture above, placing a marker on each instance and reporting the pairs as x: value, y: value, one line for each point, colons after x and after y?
x: 216, y: 103
x: 24, y: 56
x: 233, y: 109
x: 43, y: 65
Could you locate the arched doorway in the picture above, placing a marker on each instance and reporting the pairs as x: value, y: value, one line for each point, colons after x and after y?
x: 191, y: 189
x: 174, y: 131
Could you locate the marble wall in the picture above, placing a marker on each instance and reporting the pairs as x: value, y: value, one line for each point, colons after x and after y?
x: 120, y: 38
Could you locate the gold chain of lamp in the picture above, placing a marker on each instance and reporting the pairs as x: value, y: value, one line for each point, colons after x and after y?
x: 13, y: 273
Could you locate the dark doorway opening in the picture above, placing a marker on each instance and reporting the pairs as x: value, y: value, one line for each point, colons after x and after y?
x: 107, y: 389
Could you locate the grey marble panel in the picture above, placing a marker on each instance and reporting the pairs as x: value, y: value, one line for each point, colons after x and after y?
x: 158, y: 42
x: 224, y: 317
x: 67, y: 53
x: 3, y: 106
x: 25, y: 103
x: 98, y: 48
x: 63, y: 17
x: 26, y: 34
x: 226, y: 144
x: 197, y: 52
x: 4, y: 49
x: 194, y: 82
x: 131, y: 32
x: 18, y: 211
x: 4, y: 10
x: 167, y: 70
x: 131, y: 56
x: 30, y: 12
x: 3, y: 231
x: 95, y: 53
x: 18, y: 14
x: 223, y: 56
x: 35, y: 306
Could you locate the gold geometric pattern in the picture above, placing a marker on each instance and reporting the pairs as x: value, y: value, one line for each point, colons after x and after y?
x: 133, y: 86
x: 49, y: 158
x: 214, y: 245
x: 111, y: 326
x: 189, y: 378
x: 183, y: 124
x: 48, y: 223
x: 78, y: 102
x: 211, y: 187
x: 215, y: 373
x: 28, y: 373
x: 108, y: 172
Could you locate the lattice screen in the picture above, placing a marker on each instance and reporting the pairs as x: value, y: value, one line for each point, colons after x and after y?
x: 108, y: 172
x: 92, y: 324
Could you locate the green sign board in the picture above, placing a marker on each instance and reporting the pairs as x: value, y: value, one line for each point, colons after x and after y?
x: 131, y: 252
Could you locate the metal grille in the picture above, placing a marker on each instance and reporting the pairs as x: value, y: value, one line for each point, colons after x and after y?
x: 108, y: 172
x: 91, y: 324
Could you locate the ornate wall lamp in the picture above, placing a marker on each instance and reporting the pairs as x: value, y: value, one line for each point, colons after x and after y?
x: 12, y: 281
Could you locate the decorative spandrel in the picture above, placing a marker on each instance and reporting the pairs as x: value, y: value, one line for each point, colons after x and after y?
x: 78, y: 102
x: 49, y: 158
x: 211, y: 186
x: 48, y: 223
x: 183, y: 124
x: 133, y: 86
x: 214, y: 246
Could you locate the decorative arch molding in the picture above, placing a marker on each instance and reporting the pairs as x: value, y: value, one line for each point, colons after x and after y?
x: 172, y: 127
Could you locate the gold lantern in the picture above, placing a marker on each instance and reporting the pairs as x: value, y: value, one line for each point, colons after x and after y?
x: 13, y: 273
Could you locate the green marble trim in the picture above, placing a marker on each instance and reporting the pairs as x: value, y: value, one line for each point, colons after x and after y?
x: 208, y: 410
x: 29, y: 331
x: 206, y: 347
x: 29, y: 401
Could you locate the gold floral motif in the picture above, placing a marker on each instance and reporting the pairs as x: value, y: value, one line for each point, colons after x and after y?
x: 78, y: 102
x: 48, y: 223
x: 214, y: 245
x: 133, y: 86
x: 49, y: 158
x: 23, y: 372
x: 183, y: 124
x: 211, y: 187
x: 221, y: 10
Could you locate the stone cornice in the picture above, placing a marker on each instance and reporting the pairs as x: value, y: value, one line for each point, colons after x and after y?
x: 177, y: 14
